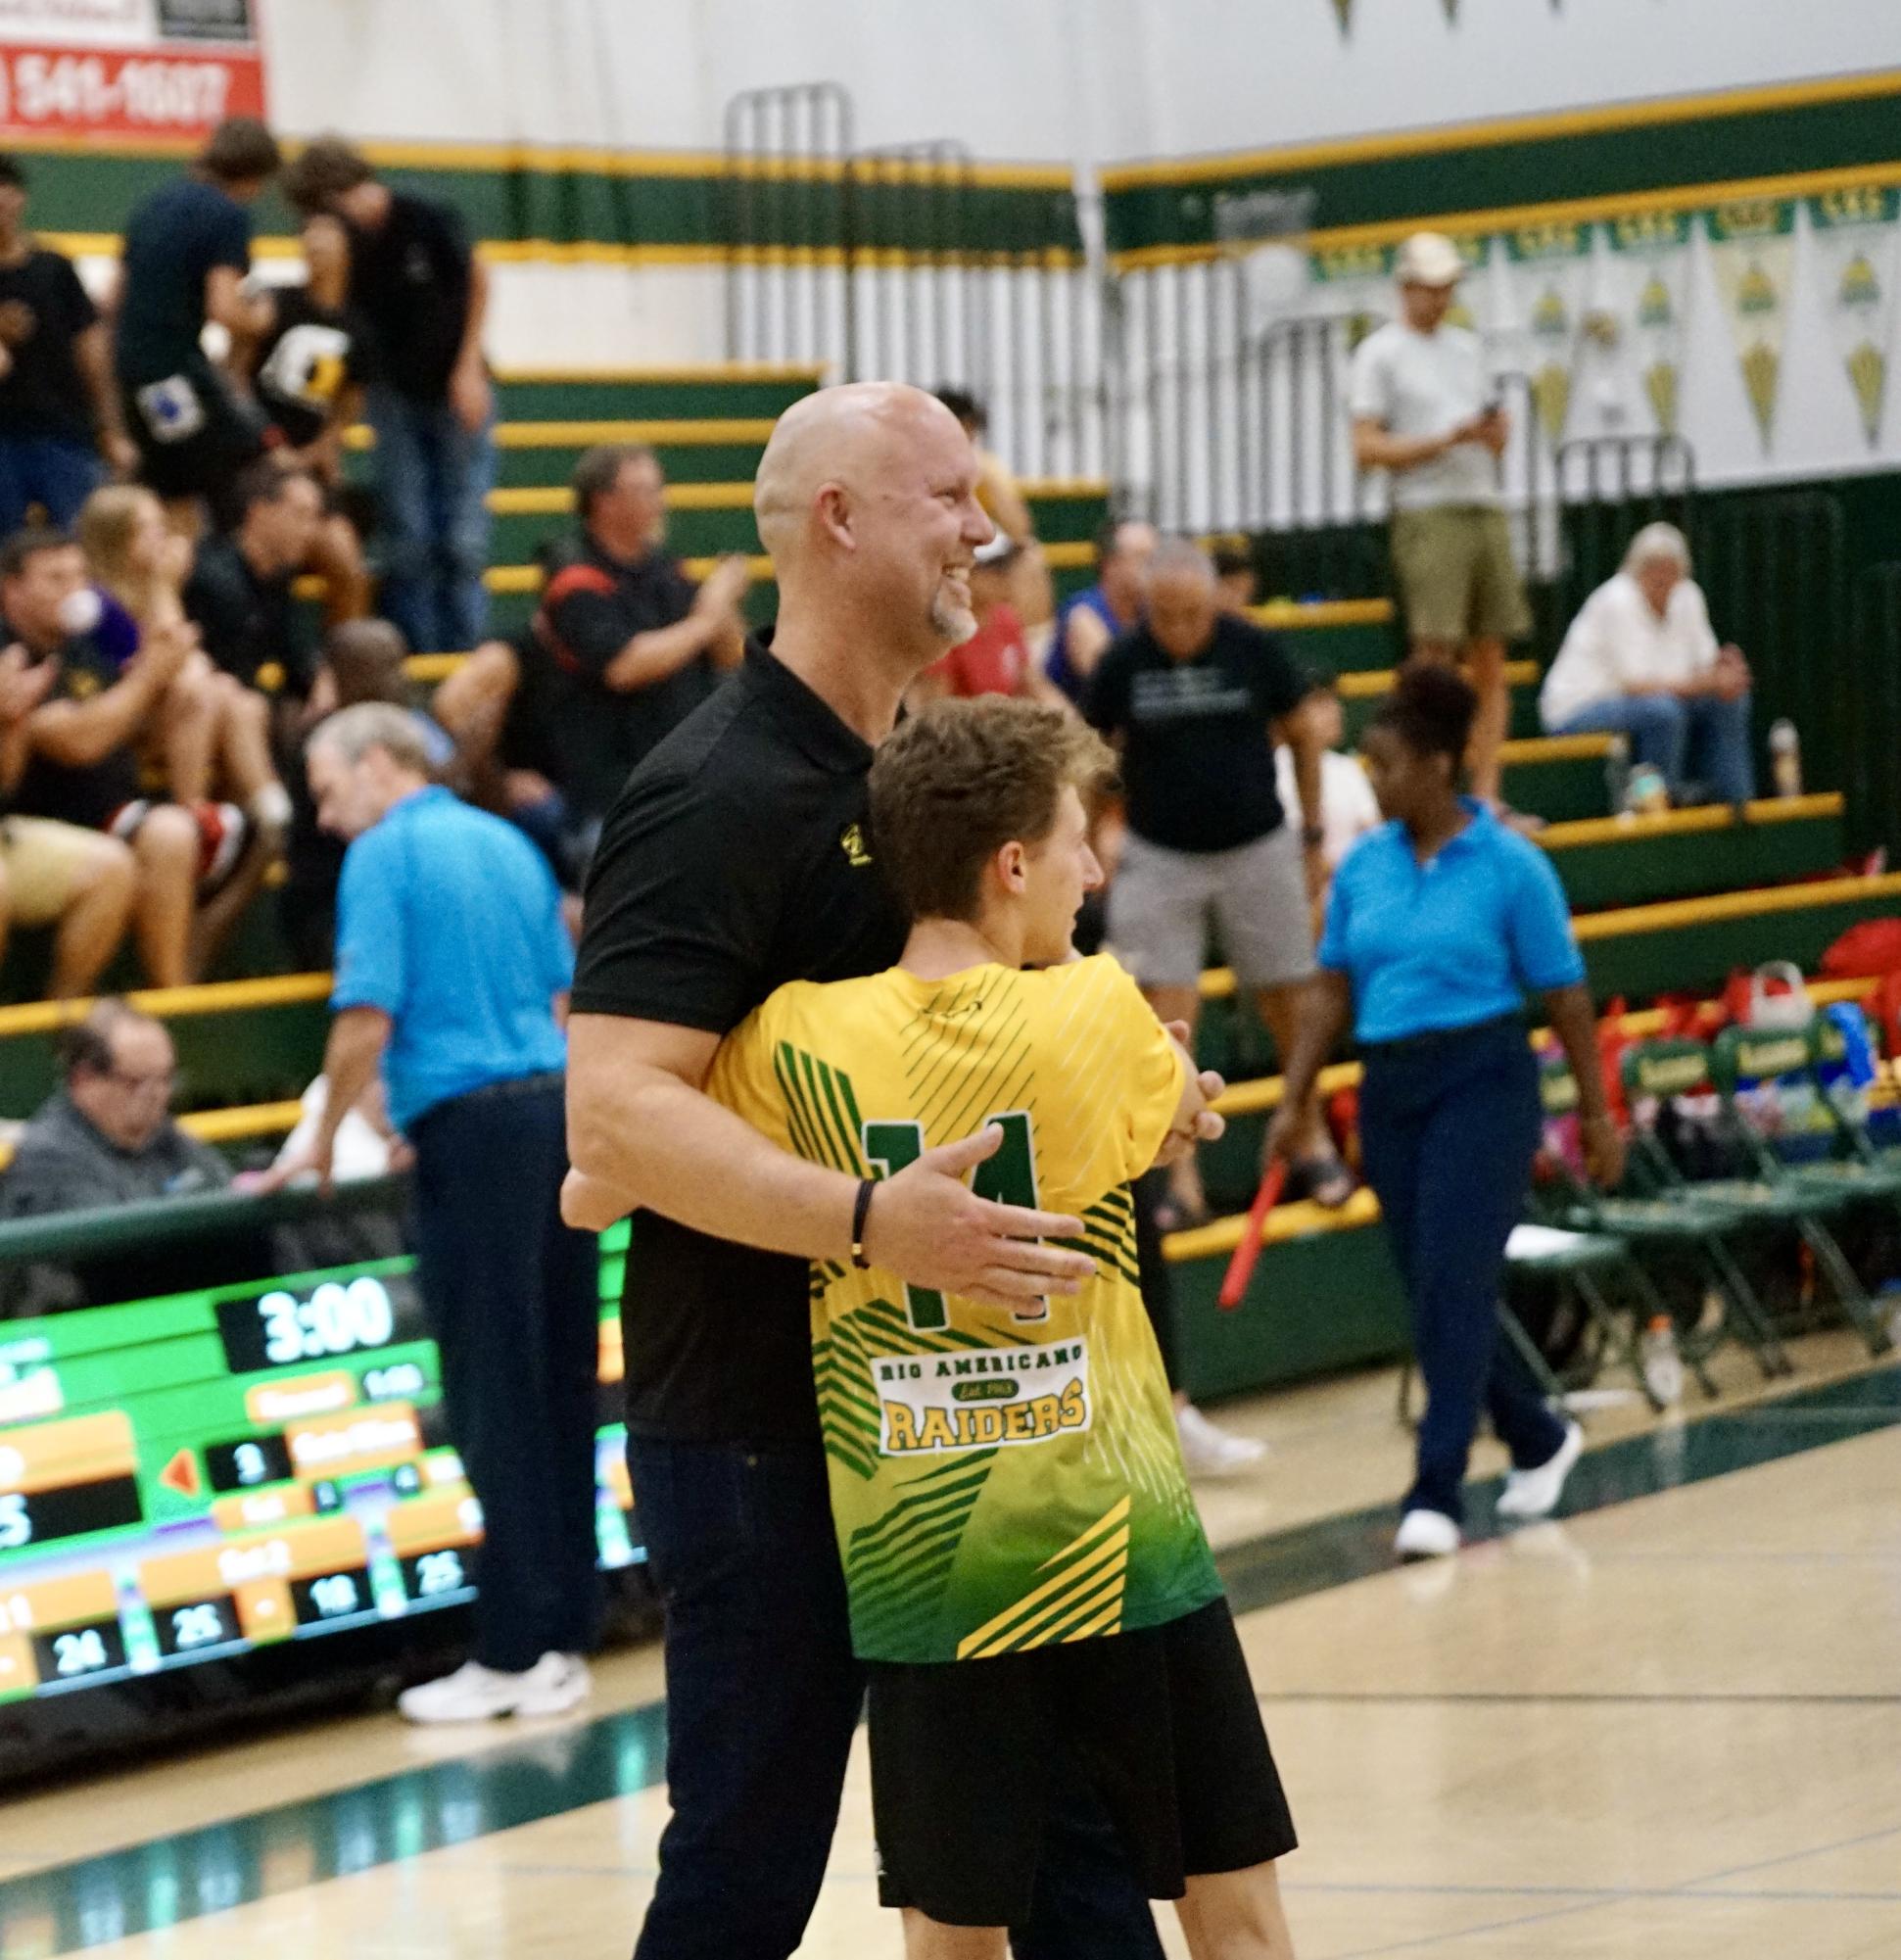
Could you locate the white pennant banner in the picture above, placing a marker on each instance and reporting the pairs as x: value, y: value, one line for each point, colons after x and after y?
x: 1753, y: 246
x: 1855, y: 234
x: 1643, y: 284
x: 1550, y: 272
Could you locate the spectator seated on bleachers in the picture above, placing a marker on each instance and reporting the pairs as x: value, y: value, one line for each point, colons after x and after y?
x: 107, y: 1138
x: 238, y: 594
x: 80, y: 746
x: 1641, y: 660
x: 209, y: 731
x: 1088, y: 620
x: 621, y: 648
x: 307, y: 373
x: 78, y: 882
x: 59, y: 424
x: 1236, y: 573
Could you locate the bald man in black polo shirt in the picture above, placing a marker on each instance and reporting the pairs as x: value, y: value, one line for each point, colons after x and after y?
x: 737, y: 859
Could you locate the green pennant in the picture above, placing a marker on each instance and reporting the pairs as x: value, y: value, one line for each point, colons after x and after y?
x: 1451, y: 10
x: 1343, y: 14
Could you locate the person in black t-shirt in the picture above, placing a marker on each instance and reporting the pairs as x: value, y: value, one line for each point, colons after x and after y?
x: 1190, y: 697
x: 80, y: 762
x: 58, y: 411
x: 423, y: 295
x: 738, y: 857
x: 307, y: 375
x: 239, y: 590
x: 186, y: 252
x: 620, y: 649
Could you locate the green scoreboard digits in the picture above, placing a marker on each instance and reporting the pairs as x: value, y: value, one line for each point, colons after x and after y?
x: 195, y: 1478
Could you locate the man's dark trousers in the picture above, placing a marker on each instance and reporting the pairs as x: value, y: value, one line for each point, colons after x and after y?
x: 513, y: 1299
x: 763, y: 1695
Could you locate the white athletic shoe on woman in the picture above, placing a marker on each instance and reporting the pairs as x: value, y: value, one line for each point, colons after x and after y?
x: 556, y: 1682
x: 1209, y: 1452
x: 1426, y: 1534
x: 1535, y: 1493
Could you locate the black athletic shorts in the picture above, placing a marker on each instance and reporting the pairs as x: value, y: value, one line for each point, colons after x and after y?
x: 193, y: 434
x: 1161, y: 1722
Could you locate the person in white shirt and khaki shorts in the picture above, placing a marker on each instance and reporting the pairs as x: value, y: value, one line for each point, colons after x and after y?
x: 1424, y: 411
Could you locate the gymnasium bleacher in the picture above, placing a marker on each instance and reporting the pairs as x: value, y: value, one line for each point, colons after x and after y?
x: 1666, y: 903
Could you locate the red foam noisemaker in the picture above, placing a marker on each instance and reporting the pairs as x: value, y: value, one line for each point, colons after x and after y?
x: 1241, y: 1266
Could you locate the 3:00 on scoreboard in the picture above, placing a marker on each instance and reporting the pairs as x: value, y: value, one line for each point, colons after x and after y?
x: 209, y: 1476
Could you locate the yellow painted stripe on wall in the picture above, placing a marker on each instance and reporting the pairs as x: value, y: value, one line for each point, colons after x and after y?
x: 1493, y: 131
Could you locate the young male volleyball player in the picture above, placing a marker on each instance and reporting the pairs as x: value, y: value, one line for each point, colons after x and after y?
x: 1027, y: 1575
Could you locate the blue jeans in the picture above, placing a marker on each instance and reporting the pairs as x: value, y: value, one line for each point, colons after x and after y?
x: 763, y: 1694
x: 1447, y: 1128
x: 433, y: 479
x: 49, y: 471
x: 1703, y: 741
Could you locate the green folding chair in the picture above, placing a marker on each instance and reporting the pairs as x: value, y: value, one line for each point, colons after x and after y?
x: 1692, y: 1231
x: 1783, y: 1061
x: 1655, y: 1071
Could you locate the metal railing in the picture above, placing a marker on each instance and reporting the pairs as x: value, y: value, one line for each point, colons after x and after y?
x: 910, y: 263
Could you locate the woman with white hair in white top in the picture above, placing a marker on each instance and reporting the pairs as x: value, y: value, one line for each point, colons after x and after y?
x: 1641, y: 660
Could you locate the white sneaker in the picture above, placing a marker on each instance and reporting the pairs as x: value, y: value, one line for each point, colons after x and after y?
x: 1535, y: 1493
x: 556, y: 1682
x: 1426, y: 1534
x: 1211, y: 1452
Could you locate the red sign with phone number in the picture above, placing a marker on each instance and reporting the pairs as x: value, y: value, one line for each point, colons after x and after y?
x: 157, y: 91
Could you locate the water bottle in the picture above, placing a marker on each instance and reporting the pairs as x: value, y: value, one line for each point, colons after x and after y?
x: 1647, y: 793
x: 1663, y: 1366
x: 1617, y: 775
x: 1785, y: 758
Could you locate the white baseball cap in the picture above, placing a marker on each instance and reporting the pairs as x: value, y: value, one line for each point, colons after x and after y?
x: 1429, y: 258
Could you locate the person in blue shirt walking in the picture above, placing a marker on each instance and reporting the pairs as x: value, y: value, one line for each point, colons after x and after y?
x: 452, y: 972
x: 1438, y: 925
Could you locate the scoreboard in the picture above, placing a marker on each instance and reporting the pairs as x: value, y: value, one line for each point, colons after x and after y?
x: 206, y: 1476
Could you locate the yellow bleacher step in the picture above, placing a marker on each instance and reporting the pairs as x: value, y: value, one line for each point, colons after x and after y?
x: 1535, y: 748
x: 1631, y: 827
x: 1220, y: 1236
x: 1218, y: 982
x: 168, y: 1003
x: 558, y: 499
x: 550, y: 500
x: 1368, y: 686
x: 528, y: 578
x: 812, y: 373
x: 697, y: 432
x: 1294, y: 615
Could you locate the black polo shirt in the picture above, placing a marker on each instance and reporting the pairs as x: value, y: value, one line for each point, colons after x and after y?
x: 250, y: 626
x: 735, y: 861
x: 591, y: 605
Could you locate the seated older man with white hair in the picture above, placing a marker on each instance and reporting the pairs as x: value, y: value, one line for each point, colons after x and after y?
x: 1641, y: 660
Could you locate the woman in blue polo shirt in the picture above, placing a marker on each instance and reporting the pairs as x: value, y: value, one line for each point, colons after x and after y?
x: 1439, y: 924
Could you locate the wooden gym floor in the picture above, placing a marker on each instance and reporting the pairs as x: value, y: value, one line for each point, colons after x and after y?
x: 1668, y: 1725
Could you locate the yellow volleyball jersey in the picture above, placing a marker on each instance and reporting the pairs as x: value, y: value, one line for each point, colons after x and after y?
x: 1000, y: 1480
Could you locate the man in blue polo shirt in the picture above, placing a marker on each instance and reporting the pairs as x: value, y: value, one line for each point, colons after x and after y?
x: 452, y: 972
